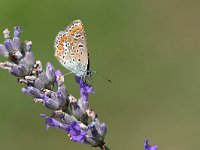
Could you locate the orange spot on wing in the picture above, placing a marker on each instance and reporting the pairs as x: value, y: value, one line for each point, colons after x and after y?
x: 71, y: 32
x: 60, y: 47
x: 64, y: 37
x: 60, y: 43
x: 69, y: 39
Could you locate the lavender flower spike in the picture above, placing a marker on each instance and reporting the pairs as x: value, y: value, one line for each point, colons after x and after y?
x: 72, y: 115
x: 149, y: 147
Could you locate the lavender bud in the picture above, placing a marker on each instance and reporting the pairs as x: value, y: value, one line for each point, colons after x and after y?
x: 3, y: 51
x: 59, y: 78
x: 30, y: 59
x: 78, y: 113
x: 43, y: 77
x: 39, y: 84
x: 67, y: 119
x: 6, y: 34
x: 20, y: 70
x: 51, y: 103
x: 62, y: 97
x: 8, y: 45
x: 28, y: 45
x: 17, y: 31
x: 16, y: 43
x: 103, y: 130
x: 52, y: 122
x: 50, y: 72
x: 83, y: 105
x: 32, y: 91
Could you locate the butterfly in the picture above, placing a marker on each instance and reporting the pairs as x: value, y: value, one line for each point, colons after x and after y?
x: 71, y: 49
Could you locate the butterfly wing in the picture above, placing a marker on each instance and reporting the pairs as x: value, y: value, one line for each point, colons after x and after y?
x: 71, y: 48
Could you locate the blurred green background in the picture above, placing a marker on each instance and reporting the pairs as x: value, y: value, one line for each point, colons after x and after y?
x: 149, y: 49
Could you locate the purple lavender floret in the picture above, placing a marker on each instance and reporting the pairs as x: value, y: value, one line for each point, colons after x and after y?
x: 29, y: 56
x: 96, y: 130
x: 62, y: 92
x: 17, y: 31
x: 74, y: 130
x: 44, y: 80
x: 53, y: 122
x: 66, y: 118
x: 76, y: 133
x: 3, y: 51
x: 59, y: 78
x: 149, y: 147
x: 12, y: 46
x: 32, y: 91
x: 85, y: 89
x: 8, y: 43
x: 51, y: 103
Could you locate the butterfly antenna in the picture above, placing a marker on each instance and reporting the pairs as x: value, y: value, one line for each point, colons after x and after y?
x: 102, y: 76
x: 67, y: 74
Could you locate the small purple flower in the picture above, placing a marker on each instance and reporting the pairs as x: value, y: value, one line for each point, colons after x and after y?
x: 85, y: 89
x: 149, y: 147
x: 76, y: 133
x: 52, y: 122
x: 74, y: 130
x: 17, y: 31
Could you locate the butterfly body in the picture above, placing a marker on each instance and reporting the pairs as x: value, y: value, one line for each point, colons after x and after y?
x: 71, y: 49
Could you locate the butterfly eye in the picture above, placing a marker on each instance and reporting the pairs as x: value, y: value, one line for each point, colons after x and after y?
x: 68, y: 44
x: 81, y: 53
x: 79, y: 59
x: 82, y: 37
x: 72, y: 47
x: 77, y: 50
